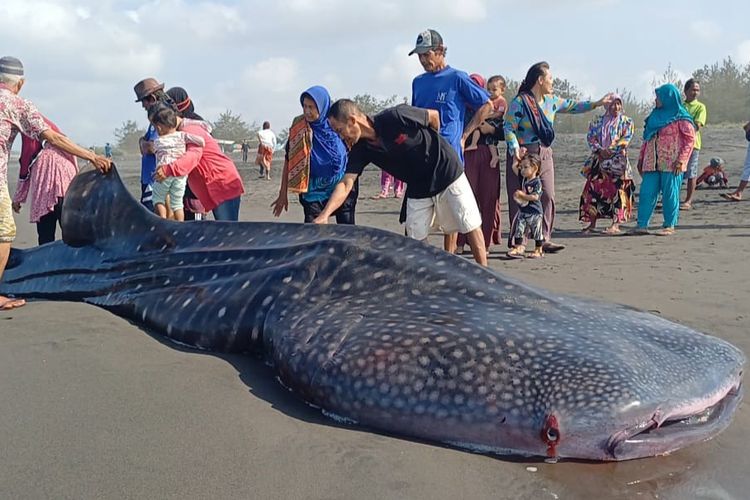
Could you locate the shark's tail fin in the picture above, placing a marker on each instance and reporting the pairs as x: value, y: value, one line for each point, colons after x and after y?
x: 98, y: 210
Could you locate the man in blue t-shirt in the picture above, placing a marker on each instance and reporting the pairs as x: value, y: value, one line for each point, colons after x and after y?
x: 447, y: 90
x: 144, y: 91
x: 450, y: 92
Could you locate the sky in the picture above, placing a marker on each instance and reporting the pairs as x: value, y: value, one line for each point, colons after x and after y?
x: 256, y: 57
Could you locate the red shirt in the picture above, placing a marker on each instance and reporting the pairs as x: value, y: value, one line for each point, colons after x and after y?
x: 212, y: 176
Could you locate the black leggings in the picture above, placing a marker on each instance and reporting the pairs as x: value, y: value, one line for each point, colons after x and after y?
x: 344, y: 214
x: 47, y: 225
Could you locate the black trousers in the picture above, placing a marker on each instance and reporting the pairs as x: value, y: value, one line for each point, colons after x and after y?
x: 47, y: 225
x: 344, y: 214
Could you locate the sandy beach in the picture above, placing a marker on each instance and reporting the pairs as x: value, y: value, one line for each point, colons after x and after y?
x: 94, y: 407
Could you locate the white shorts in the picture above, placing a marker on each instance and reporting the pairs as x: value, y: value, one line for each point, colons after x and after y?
x: 453, y: 210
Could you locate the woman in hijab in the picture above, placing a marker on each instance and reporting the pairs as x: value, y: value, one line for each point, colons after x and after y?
x: 529, y: 127
x: 609, y: 188
x: 668, y: 139
x: 194, y: 210
x: 315, y: 161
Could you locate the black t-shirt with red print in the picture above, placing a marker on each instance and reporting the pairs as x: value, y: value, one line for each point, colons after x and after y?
x: 410, y: 150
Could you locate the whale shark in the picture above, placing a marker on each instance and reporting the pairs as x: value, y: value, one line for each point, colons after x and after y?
x: 392, y: 334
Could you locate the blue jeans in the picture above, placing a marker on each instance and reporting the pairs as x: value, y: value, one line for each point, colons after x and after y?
x: 653, y: 183
x: 229, y: 210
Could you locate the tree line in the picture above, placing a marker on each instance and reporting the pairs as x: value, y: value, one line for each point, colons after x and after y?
x: 725, y: 90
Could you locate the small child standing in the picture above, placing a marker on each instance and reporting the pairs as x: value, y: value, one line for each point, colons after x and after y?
x: 168, y: 147
x: 529, y: 199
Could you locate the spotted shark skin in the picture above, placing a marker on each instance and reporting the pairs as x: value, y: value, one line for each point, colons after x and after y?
x: 394, y: 334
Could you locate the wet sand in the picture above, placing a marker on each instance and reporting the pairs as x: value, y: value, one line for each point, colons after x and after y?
x: 94, y: 407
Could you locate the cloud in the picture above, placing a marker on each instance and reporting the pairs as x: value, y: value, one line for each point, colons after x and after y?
x: 648, y: 80
x: 397, y: 72
x: 705, y: 30
x: 742, y: 52
x: 83, y: 57
x: 275, y: 75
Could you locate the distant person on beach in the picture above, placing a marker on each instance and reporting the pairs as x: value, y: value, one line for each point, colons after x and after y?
x: 245, y: 151
x: 529, y: 127
x: 736, y: 195
x: 20, y: 115
x: 529, y: 201
x: 314, y: 162
x: 108, y: 150
x: 482, y: 159
x: 609, y: 190
x: 405, y: 142
x: 193, y: 208
x: 668, y: 140
x: 266, y: 147
x: 46, y: 172
x: 698, y: 111
x: 169, y: 147
x: 448, y: 91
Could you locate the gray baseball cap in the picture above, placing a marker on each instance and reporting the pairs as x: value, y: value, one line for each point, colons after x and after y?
x: 427, y: 40
x: 11, y: 66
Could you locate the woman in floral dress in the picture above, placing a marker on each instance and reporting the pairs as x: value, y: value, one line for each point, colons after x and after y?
x: 609, y: 189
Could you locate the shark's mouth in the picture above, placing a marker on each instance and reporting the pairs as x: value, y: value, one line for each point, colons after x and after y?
x: 656, y: 437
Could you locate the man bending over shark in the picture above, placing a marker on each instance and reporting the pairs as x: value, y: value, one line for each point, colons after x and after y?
x: 404, y: 141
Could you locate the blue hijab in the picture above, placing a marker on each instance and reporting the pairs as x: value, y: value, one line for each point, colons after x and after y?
x: 671, y: 110
x: 329, y: 154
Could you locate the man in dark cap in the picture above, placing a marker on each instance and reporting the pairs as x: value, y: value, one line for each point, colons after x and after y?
x: 20, y: 115
x: 450, y: 92
x: 148, y: 92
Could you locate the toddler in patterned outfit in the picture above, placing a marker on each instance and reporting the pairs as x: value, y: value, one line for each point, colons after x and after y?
x: 168, y: 147
x: 529, y: 200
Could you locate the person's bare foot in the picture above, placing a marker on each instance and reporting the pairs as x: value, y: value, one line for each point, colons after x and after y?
x: 379, y: 196
x: 7, y: 303
x: 732, y: 196
x: 613, y: 229
x: 687, y: 205
x: 665, y: 231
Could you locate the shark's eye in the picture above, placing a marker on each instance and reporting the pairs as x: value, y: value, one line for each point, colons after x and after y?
x: 552, y: 435
x: 551, y: 430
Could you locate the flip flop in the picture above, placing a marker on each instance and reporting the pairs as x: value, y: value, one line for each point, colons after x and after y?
x: 534, y: 256
x: 518, y: 256
x: 686, y: 206
x: 552, y: 247
x: 665, y: 232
